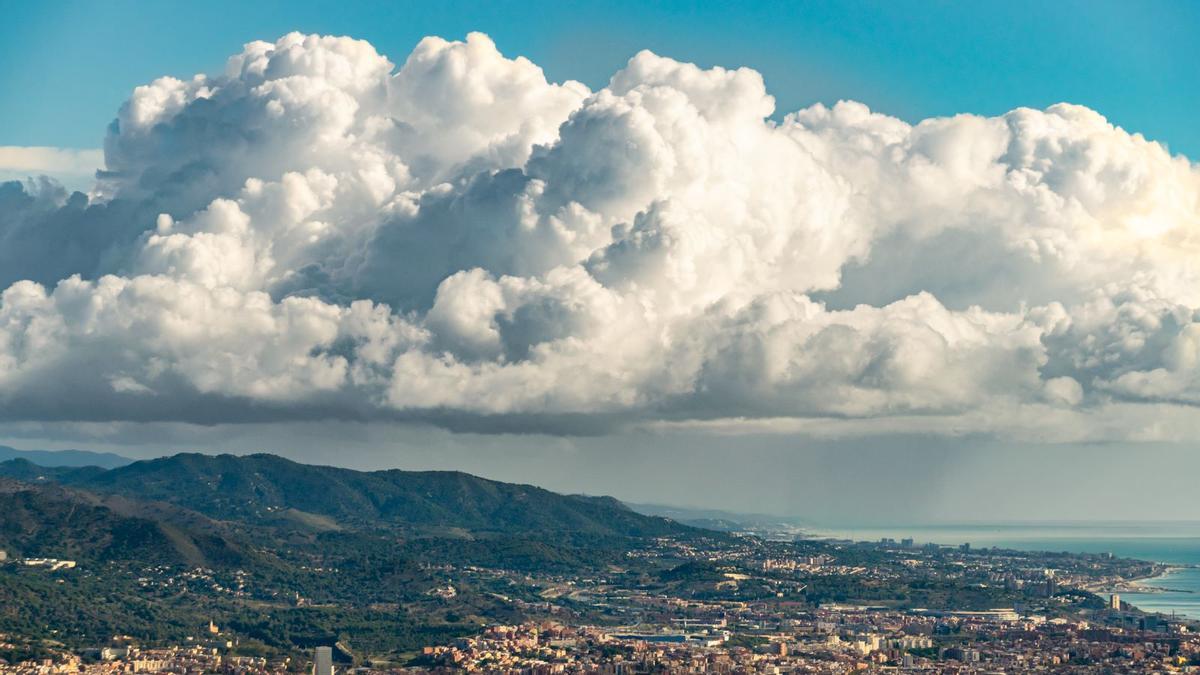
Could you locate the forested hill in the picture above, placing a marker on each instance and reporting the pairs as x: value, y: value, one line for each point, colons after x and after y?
x: 266, y: 488
x: 58, y: 458
x: 290, y: 555
x: 48, y: 520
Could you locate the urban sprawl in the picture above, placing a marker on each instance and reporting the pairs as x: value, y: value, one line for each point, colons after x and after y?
x: 1065, y: 616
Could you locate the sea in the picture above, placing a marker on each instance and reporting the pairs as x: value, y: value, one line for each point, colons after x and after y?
x: 1175, y: 543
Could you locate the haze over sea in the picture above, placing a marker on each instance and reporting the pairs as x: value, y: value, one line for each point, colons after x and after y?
x: 1172, y: 542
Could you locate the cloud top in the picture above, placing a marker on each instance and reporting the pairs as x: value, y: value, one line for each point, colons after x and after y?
x: 318, y: 232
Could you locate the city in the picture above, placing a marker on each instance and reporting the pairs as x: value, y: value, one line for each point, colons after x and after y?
x: 742, y: 604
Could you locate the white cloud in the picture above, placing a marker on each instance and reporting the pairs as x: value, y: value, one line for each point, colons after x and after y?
x: 44, y: 160
x: 316, y: 232
x: 72, y: 167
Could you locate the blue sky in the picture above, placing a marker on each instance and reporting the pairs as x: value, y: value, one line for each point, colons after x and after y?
x: 67, y: 66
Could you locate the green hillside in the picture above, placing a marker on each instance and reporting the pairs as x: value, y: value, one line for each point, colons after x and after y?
x: 291, y: 555
x: 266, y: 488
x: 47, y: 521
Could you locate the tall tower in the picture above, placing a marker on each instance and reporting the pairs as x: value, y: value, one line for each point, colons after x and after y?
x: 323, y: 661
x: 1114, y: 602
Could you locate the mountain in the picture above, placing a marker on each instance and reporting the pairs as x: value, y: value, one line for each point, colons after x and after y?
x: 289, y: 555
x: 26, y: 471
x: 726, y: 521
x: 265, y: 489
x: 50, y: 521
x: 56, y: 458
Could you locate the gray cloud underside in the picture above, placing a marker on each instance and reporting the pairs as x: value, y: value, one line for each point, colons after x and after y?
x: 319, y: 233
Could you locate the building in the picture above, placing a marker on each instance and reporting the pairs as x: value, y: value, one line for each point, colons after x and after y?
x: 323, y: 661
x: 114, y: 653
x: 53, y: 563
x: 1051, y: 584
x: 1114, y: 602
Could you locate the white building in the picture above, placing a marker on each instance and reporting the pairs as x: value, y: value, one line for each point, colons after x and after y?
x: 323, y: 661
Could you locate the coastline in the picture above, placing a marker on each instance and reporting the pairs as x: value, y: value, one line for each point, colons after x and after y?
x: 1141, y: 595
x: 1170, y: 584
x: 1139, y: 584
x: 1142, y: 585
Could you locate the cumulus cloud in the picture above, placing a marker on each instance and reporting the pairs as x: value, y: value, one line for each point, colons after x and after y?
x: 317, y: 232
x: 45, y: 160
x: 69, y: 166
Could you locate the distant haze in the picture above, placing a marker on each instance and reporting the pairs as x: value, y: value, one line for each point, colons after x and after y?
x: 897, y: 480
x: 104, y: 460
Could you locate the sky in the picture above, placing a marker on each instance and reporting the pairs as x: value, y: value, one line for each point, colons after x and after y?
x: 837, y: 261
x: 67, y: 66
